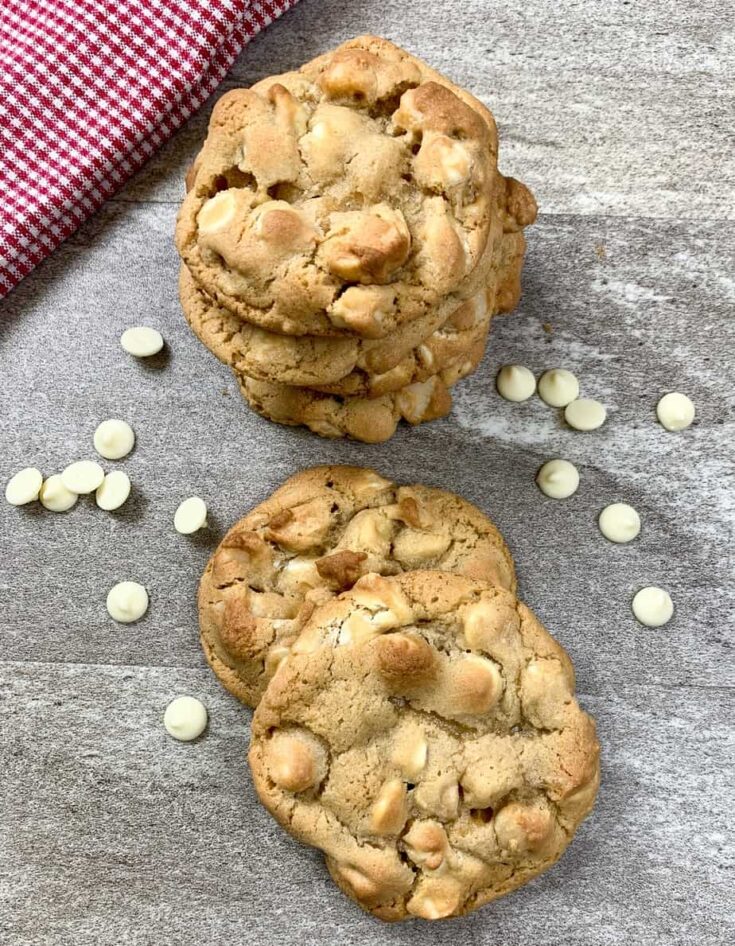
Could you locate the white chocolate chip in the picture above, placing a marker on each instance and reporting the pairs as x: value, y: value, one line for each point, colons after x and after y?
x: 454, y: 160
x: 558, y: 479
x: 320, y: 131
x: 114, y: 439
x: 217, y: 212
x: 185, y: 718
x: 127, y: 602
x: 24, y: 487
x: 558, y: 387
x: 675, y: 411
x: 141, y: 341
x: 190, y: 516
x: 515, y: 383
x: 113, y: 490
x: 653, y: 606
x: 274, y: 658
x: 83, y: 477
x: 619, y: 522
x: 585, y: 414
x: 300, y: 573
x: 388, y: 813
x: 55, y: 496
x: 411, y: 757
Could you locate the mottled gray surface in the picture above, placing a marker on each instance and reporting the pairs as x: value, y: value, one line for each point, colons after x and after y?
x: 618, y: 115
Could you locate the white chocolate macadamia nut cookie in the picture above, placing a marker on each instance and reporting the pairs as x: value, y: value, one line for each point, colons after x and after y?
x: 369, y: 419
x: 341, y: 366
x: 347, y: 198
x: 425, y: 736
x: 313, y: 538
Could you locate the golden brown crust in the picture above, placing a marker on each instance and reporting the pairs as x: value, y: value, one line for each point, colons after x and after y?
x: 454, y: 762
x: 370, y: 420
x: 337, y: 365
x: 318, y: 533
x: 364, y: 170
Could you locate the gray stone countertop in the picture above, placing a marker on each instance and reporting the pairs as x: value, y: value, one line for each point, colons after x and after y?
x: 619, y: 116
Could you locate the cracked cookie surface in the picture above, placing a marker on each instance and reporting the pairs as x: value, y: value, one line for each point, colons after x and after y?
x: 368, y: 419
x: 342, y: 366
x: 352, y: 365
x: 350, y: 197
x: 424, y: 734
x: 314, y: 537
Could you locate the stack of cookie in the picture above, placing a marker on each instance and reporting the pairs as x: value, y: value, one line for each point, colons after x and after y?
x: 414, y: 720
x: 346, y: 238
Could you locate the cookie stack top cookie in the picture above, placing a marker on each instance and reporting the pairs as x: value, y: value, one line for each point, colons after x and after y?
x: 414, y: 720
x: 350, y: 196
x: 350, y: 208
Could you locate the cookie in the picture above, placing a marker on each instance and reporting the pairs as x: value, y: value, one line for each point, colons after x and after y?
x: 336, y: 365
x: 424, y: 735
x: 314, y: 537
x: 350, y: 197
x: 368, y: 419
x: 449, y: 352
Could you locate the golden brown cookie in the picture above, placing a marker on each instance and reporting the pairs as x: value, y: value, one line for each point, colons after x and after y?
x: 314, y: 537
x: 369, y: 419
x: 424, y: 734
x: 350, y: 197
x: 451, y: 352
x: 336, y: 365
x: 316, y: 361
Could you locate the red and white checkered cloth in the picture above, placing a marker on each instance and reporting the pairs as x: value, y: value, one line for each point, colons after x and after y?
x: 89, y: 90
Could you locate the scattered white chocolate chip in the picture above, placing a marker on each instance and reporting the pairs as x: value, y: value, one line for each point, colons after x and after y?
x: 185, y: 718
x: 190, y: 516
x: 558, y: 387
x: 653, y: 606
x: 24, y: 487
x: 114, y: 439
x: 619, y: 522
x: 558, y: 479
x: 113, y: 490
x: 675, y: 411
x: 585, y: 414
x: 127, y: 602
x: 55, y: 496
x: 141, y: 341
x: 515, y: 383
x: 82, y: 477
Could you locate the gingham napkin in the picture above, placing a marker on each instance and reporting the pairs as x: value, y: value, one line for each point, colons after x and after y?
x: 89, y: 90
